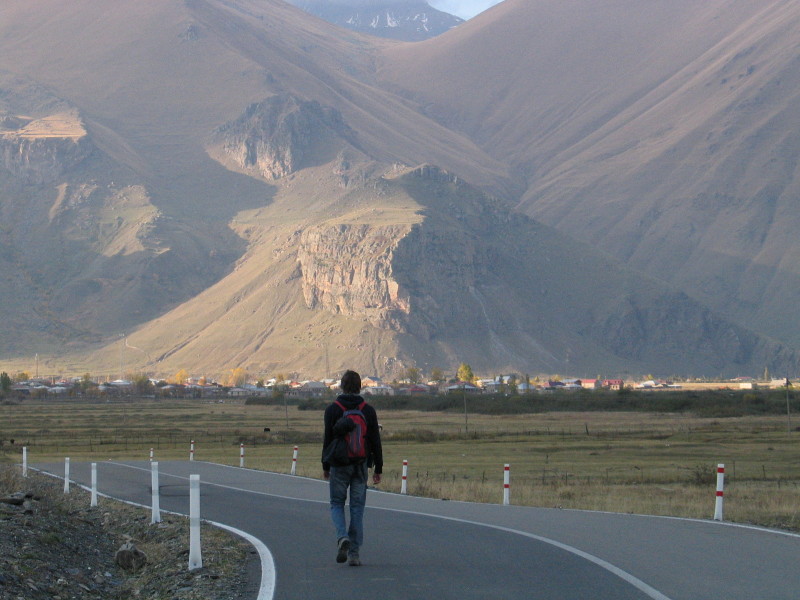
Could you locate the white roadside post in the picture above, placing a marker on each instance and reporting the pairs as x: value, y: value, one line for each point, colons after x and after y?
x: 155, y: 516
x: 151, y: 455
x: 66, y: 475
x: 404, y: 483
x: 24, y: 461
x: 720, y: 492
x: 93, y: 501
x: 506, y: 484
x: 241, y: 455
x: 195, y: 554
x: 294, y: 461
x: 191, y: 450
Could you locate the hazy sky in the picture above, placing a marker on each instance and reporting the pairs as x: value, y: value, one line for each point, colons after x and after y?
x: 463, y: 8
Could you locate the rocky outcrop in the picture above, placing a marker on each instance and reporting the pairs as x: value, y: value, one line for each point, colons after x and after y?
x: 40, y: 150
x: 347, y: 269
x: 129, y: 557
x: 38, y: 160
x: 281, y: 135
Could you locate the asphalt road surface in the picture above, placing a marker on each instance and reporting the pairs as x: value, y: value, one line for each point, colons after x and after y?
x: 417, y: 548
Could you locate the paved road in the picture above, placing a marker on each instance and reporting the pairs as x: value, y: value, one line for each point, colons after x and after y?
x: 417, y: 548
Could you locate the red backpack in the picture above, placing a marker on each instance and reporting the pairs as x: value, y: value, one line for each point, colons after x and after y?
x: 356, y: 437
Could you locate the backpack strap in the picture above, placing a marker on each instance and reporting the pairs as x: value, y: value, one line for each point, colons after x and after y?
x: 360, y: 406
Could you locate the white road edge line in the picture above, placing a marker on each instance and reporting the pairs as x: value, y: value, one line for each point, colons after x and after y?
x: 624, y: 575
x: 266, y: 590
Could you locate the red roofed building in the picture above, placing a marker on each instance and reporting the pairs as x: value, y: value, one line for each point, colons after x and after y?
x: 614, y: 384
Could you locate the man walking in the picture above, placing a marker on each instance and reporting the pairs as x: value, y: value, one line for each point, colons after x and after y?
x: 352, y: 424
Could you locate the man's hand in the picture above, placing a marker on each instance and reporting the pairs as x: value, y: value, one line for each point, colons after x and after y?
x: 376, y: 478
x: 326, y: 475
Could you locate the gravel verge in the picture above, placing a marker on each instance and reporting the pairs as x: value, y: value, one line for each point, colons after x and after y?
x: 55, y: 546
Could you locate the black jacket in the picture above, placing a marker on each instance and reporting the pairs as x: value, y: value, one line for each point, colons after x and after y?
x: 333, y: 413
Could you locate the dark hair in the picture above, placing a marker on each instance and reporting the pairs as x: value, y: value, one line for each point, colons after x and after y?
x: 351, y: 382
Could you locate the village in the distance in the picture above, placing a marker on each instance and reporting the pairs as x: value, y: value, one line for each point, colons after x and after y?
x: 238, y: 384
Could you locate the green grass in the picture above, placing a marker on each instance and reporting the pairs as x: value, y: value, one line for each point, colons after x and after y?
x: 622, y: 460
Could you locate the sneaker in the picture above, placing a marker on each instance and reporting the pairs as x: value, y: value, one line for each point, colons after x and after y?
x: 353, y: 560
x: 344, y: 546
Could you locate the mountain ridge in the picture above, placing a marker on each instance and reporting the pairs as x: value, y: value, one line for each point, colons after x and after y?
x: 392, y: 19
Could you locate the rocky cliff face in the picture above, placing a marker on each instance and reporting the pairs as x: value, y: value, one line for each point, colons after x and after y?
x: 38, y: 160
x: 279, y: 136
x: 347, y: 269
x: 406, y: 21
x: 420, y: 279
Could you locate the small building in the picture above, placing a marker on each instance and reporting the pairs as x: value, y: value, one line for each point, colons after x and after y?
x: 418, y: 388
x: 462, y: 387
x: 589, y: 384
x: 313, y: 389
x: 614, y: 384
x: 377, y: 390
x: 490, y: 386
x: 371, y: 381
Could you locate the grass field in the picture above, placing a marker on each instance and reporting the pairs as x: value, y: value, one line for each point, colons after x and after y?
x: 622, y: 461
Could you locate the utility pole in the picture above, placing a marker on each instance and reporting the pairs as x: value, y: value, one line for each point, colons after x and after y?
x: 466, y: 422
x: 788, y: 411
x: 121, y: 350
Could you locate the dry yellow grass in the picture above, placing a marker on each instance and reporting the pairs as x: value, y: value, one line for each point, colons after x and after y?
x: 622, y: 462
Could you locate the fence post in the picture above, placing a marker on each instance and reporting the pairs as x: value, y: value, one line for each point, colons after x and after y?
x: 195, y: 554
x: 66, y: 475
x: 93, y: 501
x: 294, y: 461
x: 241, y: 455
x: 191, y: 450
x: 506, y: 484
x: 155, y: 515
x: 404, y: 483
x: 720, y: 492
x: 24, y: 461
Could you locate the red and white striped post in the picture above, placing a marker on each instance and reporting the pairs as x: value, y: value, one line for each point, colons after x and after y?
x: 294, y: 461
x: 241, y: 455
x: 506, y: 484
x: 404, y: 483
x: 191, y: 450
x: 720, y: 492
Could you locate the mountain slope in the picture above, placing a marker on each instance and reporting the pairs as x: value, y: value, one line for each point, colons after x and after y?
x: 413, y: 266
x: 222, y: 183
x: 666, y: 133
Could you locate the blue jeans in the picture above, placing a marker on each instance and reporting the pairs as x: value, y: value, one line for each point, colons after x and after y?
x: 355, y: 478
